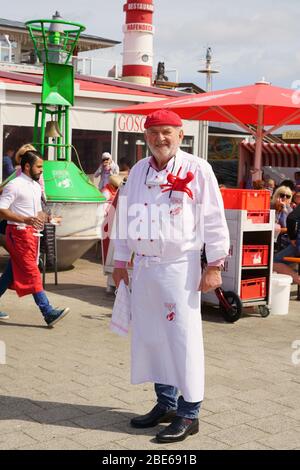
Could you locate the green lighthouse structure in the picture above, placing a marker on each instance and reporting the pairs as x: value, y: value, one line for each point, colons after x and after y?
x: 54, y: 43
x: 69, y: 191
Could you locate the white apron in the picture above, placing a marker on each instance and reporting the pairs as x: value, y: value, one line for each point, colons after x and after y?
x: 167, y: 343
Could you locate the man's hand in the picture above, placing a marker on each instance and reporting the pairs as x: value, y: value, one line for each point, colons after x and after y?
x: 36, y: 222
x: 211, y: 279
x: 119, y: 274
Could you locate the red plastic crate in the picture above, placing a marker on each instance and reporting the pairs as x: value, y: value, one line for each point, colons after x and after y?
x: 255, y: 255
x: 254, y: 288
x: 249, y: 199
x: 259, y: 217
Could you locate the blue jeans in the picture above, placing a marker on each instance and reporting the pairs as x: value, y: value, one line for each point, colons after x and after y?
x: 40, y: 298
x: 290, y: 250
x: 167, y: 398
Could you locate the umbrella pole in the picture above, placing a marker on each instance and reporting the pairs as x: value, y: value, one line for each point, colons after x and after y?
x: 258, y: 147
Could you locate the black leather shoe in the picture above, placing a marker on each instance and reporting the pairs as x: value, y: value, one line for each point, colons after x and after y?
x: 155, y: 416
x: 178, y: 430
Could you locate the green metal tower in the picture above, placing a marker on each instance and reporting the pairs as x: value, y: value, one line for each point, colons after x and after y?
x: 54, y: 42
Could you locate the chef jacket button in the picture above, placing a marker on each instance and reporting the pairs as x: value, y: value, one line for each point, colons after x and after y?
x: 139, y: 239
x: 151, y: 240
x: 146, y: 204
x: 149, y: 187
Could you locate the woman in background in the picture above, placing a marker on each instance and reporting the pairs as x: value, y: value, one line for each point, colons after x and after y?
x: 281, y: 202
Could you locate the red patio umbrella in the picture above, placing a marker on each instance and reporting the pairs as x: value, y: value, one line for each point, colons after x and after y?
x: 261, y: 105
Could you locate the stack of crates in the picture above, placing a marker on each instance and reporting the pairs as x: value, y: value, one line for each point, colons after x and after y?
x: 255, y: 255
x: 254, y: 288
x: 257, y: 204
x: 251, y: 200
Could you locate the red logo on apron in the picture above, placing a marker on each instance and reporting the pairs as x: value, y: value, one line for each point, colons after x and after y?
x: 171, y: 316
x: 171, y: 309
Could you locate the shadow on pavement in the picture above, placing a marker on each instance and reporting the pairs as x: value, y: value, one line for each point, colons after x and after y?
x: 67, y: 415
x: 99, y: 317
x: 94, y: 295
x: 211, y: 314
x: 23, y: 325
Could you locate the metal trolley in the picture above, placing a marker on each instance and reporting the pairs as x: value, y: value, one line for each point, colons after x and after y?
x: 248, y: 268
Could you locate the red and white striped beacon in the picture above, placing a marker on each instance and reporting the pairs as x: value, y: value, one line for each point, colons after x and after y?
x: 138, y: 42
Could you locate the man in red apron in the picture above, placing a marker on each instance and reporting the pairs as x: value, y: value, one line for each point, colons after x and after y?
x: 20, y: 205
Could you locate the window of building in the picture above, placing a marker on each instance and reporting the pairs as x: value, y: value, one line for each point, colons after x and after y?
x: 15, y: 136
x: 132, y: 147
x: 90, y: 145
x: 223, y: 152
x: 187, y: 144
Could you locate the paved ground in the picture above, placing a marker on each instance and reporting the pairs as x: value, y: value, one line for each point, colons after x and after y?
x: 68, y: 388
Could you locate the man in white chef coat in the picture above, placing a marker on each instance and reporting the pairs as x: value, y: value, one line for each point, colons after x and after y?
x: 170, y: 208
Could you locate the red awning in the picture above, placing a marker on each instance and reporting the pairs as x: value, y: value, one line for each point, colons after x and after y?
x: 104, y: 88
x: 89, y: 85
x: 16, y: 82
x: 285, y: 155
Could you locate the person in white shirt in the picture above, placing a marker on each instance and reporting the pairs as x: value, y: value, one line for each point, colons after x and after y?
x: 20, y: 205
x: 171, y: 208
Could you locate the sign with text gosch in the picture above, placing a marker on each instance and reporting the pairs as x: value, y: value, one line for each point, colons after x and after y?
x: 131, y: 123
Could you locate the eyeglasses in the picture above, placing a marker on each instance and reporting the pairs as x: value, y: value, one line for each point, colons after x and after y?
x: 283, y: 195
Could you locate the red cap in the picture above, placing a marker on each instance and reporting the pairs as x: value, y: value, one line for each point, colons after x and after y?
x: 163, y: 117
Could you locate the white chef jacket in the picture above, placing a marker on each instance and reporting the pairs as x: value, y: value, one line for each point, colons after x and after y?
x: 22, y: 196
x: 168, y: 224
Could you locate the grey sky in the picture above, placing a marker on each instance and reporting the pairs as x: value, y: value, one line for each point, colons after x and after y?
x: 249, y: 39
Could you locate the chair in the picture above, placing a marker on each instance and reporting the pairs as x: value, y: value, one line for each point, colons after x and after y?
x: 48, y: 250
x: 293, y: 259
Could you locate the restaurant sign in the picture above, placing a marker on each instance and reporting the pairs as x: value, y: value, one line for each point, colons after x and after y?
x: 291, y: 135
x: 131, y: 123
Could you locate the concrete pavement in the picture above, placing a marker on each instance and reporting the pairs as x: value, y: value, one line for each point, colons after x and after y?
x: 69, y: 387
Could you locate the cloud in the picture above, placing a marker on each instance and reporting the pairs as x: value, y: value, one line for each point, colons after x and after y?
x: 248, y: 41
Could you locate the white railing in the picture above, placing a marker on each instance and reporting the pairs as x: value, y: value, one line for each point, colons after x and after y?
x: 94, y: 66
x: 97, y: 67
